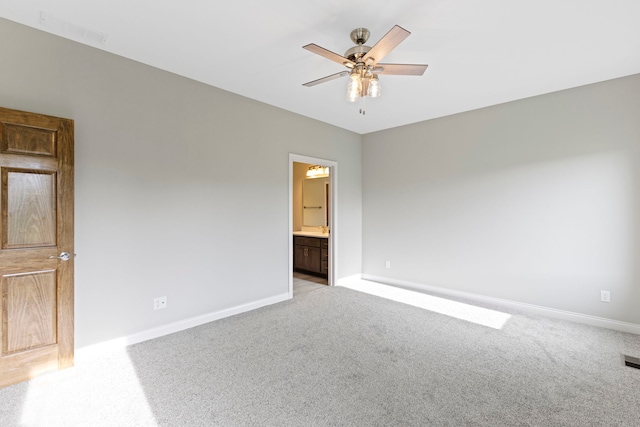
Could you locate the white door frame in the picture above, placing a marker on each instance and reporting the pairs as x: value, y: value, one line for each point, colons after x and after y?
x: 333, y: 214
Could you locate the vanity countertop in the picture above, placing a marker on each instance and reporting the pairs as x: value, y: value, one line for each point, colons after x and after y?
x: 311, y: 234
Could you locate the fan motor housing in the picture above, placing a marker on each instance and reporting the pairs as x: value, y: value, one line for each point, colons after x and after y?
x: 355, y: 53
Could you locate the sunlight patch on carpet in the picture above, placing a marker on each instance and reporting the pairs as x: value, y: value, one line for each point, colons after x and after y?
x: 470, y: 313
x: 97, y: 392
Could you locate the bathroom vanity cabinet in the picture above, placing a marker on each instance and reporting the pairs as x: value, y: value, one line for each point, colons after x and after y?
x: 311, y: 255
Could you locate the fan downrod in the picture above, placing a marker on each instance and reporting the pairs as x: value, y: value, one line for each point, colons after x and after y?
x: 360, y: 35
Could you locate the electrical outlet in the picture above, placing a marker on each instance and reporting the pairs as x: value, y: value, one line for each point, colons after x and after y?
x: 160, y: 302
x: 605, y: 296
x: 387, y: 264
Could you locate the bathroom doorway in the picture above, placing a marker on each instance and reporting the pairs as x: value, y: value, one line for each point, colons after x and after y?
x: 313, y: 224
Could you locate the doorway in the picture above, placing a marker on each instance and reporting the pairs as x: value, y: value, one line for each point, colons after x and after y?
x: 325, y: 234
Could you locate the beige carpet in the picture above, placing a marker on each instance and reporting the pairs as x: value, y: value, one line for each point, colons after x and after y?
x: 338, y: 357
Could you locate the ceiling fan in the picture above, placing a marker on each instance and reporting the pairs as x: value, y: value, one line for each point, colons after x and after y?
x: 364, y: 63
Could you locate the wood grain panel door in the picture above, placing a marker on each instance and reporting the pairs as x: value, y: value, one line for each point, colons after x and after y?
x: 36, y: 246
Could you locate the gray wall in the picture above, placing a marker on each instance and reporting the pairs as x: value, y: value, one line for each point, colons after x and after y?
x: 181, y: 188
x: 536, y: 201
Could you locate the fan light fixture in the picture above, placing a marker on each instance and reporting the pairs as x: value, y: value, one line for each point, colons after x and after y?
x: 362, y: 82
x: 318, y: 172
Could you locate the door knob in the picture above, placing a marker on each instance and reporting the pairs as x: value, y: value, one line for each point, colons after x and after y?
x: 64, y: 256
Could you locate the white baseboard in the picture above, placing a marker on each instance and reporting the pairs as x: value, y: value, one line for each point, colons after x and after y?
x: 527, y: 308
x: 178, y: 326
x: 342, y: 281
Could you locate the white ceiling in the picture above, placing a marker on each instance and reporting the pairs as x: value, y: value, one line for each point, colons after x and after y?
x: 480, y: 53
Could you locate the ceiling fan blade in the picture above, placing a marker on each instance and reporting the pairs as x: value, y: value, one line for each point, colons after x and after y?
x: 393, y: 38
x: 326, y: 79
x: 329, y: 55
x: 400, y: 69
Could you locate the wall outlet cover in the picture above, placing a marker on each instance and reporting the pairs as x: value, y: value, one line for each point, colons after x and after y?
x: 160, y: 302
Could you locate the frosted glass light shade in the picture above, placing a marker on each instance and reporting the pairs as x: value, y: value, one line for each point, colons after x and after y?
x: 354, y: 88
x: 374, y: 87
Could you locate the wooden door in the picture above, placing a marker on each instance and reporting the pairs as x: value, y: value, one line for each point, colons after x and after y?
x: 36, y: 227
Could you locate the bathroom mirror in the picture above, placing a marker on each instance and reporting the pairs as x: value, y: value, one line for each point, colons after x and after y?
x: 315, y: 201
